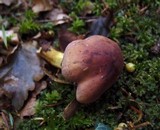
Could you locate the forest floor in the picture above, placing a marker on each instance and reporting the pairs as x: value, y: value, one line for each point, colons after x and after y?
x: 33, y: 92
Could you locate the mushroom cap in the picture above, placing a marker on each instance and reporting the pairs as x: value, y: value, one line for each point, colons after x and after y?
x: 94, y: 64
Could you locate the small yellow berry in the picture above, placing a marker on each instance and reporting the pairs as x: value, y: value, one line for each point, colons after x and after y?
x: 130, y: 67
x: 122, y: 125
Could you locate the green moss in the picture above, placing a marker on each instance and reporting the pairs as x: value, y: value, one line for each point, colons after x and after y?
x: 143, y: 84
x: 78, y: 26
x: 136, y: 34
x: 28, y: 24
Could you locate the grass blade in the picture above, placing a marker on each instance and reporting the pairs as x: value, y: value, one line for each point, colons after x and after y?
x: 4, y: 37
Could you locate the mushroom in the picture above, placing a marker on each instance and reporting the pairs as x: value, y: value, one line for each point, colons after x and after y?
x: 94, y: 64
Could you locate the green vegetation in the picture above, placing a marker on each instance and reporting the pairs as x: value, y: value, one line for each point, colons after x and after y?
x: 4, y: 37
x: 78, y: 26
x: 28, y: 24
x: 136, y: 31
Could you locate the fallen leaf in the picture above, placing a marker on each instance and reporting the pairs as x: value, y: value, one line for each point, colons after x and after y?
x: 102, y: 25
x: 5, y: 120
x: 53, y: 56
x: 41, y: 6
x: 65, y: 37
x: 99, y: 27
x: 5, y: 97
x: 55, y: 78
x: 45, y: 44
x: 29, y: 108
x: 6, y: 2
x: 54, y: 2
x: 47, y: 35
x: 57, y: 16
x: 1, y: 123
x: 21, y: 74
x: 1, y: 61
x: 44, y: 39
x: 11, y: 35
x: 6, y: 55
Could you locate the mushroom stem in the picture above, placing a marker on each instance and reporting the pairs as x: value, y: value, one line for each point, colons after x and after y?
x: 53, y: 56
x: 70, y: 109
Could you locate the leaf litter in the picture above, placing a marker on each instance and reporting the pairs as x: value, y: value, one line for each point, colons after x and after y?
x: 21, y: 74
x: 57, y: 17
x: 29, y: 108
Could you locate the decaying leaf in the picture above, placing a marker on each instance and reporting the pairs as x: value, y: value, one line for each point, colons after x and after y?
x: 47, y: 35
x: 6, y: 2
x: 57, y: 16
x: 1, y: 61
x: 41, y: 6
x: 65, y: 37
x: 5, y: 119
x: 21, y: 73
x: 53, y: 56
x: 100, y: 26
x: 1, y: 123
x: 4, y: 99
x: 10, y: 35
x: 55, y: 78
x: 6, y: 54
x: 29, y: 108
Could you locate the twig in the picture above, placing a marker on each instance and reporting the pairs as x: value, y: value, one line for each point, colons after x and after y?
x: 142, y: 125
x: 70, y: 109
x: 54, y: 78
x: 139, y: 113
x: 54, y: 105
x: 5, y: 120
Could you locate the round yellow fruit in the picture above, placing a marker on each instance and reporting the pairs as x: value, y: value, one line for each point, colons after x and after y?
x: 130, y: 67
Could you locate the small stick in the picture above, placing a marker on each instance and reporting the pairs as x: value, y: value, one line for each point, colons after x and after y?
x: 4, y: 117
x: 139, y: 112
x: 142, y: 125
x: 70, y: 109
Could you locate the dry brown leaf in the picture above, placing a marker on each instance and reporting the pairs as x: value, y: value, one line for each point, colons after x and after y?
x: 29, y: 108
x: 1, y: 61
x: 46, y: 35
x: 6, y: 54
x: 57, y: 16
x: 6, y: 2
x: 9, y: 2
x: 1, y: 123
x: 12, y: 45
x: 5, y: 97
x: 65, y: 37
x: 41, y: 6
x: 19, y: 76
x: 11, y: 35
x: 54, y: 78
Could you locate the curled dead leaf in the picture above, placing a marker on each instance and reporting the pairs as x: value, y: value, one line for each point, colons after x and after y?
x: 65, y: 37
x: 29, y: 108
x: 53, y: 56
x: 6, y: 2
x: 41, y: 6
x: 4, y: 99
x: 57, y: 16
x: 21, y: 73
